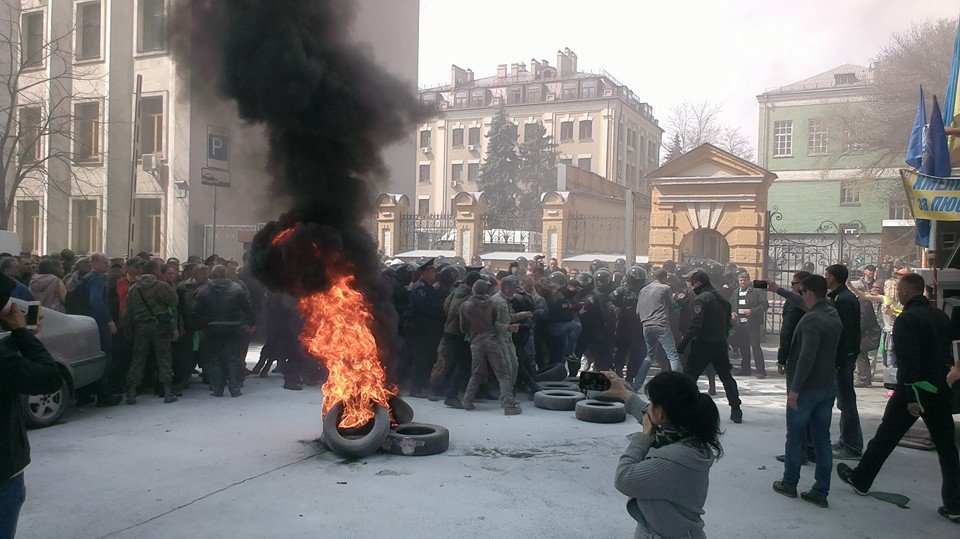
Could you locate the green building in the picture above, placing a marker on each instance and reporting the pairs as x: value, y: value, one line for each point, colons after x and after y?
x: 828, y: 186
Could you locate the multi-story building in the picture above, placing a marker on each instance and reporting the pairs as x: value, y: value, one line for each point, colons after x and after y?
x: 80, y: 61
x: 597, y: 122
x: 809, y: 138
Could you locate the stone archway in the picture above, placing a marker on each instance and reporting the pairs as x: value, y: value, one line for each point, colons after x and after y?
x: 705, y: 243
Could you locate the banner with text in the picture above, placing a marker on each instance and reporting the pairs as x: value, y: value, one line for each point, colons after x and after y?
x: 930, y: 197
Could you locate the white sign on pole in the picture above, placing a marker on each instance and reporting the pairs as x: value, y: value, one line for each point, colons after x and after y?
x: 218, y: 148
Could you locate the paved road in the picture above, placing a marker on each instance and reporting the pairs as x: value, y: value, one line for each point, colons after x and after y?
x: 250, y: 467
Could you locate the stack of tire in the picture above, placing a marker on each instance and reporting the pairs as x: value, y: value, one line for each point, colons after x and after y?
x: 407, y: 439
x: 566, y: 396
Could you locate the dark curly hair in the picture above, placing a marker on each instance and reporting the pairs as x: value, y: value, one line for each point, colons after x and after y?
x: 687, y: 408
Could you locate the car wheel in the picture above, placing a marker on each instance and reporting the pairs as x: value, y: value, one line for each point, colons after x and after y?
x: 44, y: 410
x: 567, y: 386
x: 553, y: 373
x: 417, y: 440
x: 595, y: 411
x: 358, y: 445
x: 557, y: 399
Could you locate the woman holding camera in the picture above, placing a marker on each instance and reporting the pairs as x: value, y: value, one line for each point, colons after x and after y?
x: 665, y: 469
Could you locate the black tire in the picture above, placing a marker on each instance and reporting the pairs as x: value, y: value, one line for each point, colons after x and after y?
x: 552, y: 373
x: 594, y: 411
x: 402, y: 412
x: 417, y: 440
x: 41, y: 411
x: 573, y: 380
x: 557, y: 399
x: 355, y: 446
x: 564, y: 386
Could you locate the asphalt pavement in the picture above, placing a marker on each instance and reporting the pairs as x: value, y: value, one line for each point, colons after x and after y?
x: 252, y: 467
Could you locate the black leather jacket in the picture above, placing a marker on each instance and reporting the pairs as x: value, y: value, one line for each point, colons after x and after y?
x: 711, y: 317
x: 224, y: 303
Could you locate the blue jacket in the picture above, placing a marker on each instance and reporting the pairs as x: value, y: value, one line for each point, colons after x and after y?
x: 20, y: 291
x: 96, y: 287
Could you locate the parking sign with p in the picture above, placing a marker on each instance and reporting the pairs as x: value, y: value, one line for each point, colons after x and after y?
x: 218, y: 148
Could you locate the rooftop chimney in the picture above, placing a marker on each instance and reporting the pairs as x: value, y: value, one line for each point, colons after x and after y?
x: 502, y: 71
x: 459, y: 76
x: 469, y: 75
x: 535, y: 67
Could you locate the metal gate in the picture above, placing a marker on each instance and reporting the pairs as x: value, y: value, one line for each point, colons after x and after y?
x: 831, y: 243
x: 435, y: 231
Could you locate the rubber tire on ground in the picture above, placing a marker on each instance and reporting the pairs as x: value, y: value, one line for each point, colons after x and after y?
x: 417, y: 440
x: 573, y: 380
x: 594, y: 411
x: 557, y: 399
x: 360, y: 446
x: 402, y: 412
x: 552, y: 373
x: 49, y: 407
x: 567, y: 386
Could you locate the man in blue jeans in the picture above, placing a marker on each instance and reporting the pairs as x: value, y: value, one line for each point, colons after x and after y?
x: 655, y: 311
x: 25, y: 368
x: 811, y: 390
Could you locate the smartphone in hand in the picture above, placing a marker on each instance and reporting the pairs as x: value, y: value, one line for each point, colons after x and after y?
x: 760, y: 284
x: 33, y: 315
x: 593, y: 381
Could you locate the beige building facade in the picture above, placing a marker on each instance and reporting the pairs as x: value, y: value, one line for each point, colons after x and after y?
x: 597, y: 122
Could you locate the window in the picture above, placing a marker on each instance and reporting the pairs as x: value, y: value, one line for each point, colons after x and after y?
x: 473, y: 136
x: 456, y: 173
x: 589, y: 89
x: 460, y: 100
x: 458, y: 137
x: 534, y: 93
x: 514, y: 95
x: 817, y: 137
x: 584, y: 163
x: 150, y: 226
x: 570, y: 90
x: 424, y: 173
x: 86, y: 132
x: 31, y: 39
x: 530, y: 131
x: 153, y: 25
x: 478, y: 98
x: 88, y: 30
x: 566, y: 161
x: 900, y: 209
x: 586, y: 129
x: 425, y: 138
x: 566, y: 131
x: 783, y: 138
x: 473, y: 171
x: 849, y: 194
x: 631, y: 171
x: 151, y: 125
x: 28, y: 225
x: 845, y: 78
x: 30, y: 132
x: 430, y: 100
x: 423, y: 206
x: 86, y: 227
x: 852, y: 142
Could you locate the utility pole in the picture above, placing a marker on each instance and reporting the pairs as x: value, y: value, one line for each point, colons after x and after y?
x: 134, y: 151
x: 630, y: 253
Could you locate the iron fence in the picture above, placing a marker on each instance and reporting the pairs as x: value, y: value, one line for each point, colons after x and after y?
x: 517, y: 234
x: 434, y: 231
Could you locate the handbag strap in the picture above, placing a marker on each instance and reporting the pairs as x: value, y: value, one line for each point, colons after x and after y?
x: 144, y: 300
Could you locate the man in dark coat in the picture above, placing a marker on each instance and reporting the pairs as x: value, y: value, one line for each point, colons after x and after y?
x: 922, y: 343
x: 424, y: 328
x: 224, y: 309
x: 850, y: 444
x: 25, y: 368
x: 749, y: 313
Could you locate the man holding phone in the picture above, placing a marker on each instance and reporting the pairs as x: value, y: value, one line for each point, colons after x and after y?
x: 25, y: 368
x: 749, y: 312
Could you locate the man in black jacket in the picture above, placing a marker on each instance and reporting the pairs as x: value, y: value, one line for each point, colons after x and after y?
x: 850, y: 444
x: 25, y: 368
x: 707, y: 337
x: 924, y: 359
x: 224, y: 309
x: 749, y: 313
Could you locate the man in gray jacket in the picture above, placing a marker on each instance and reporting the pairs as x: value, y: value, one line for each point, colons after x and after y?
x: 811, y: 386
x: 484, y: 321
x: 655, y: 311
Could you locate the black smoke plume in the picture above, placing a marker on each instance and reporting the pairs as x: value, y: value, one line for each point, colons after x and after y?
x: 328, y: 109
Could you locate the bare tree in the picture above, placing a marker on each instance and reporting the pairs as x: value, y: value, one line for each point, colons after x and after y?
x: 693, y: 124
x: 44, y: 140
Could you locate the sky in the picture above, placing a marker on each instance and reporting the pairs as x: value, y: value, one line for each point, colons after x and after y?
x: 668, y: 52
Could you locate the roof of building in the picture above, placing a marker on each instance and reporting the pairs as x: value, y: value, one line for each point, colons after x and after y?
x: 838, y: 77
x: 523, y: 77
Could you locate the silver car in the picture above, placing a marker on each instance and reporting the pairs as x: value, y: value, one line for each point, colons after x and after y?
x: 74, y: 342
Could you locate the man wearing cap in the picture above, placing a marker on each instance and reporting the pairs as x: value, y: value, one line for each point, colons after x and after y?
x: 707, y: 337
x: 424, y: 328
x: 750, y: 310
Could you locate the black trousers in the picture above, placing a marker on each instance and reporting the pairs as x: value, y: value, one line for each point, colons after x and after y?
x: 423, y: 354
x: 184, y: 357
x: 702, y: 354
x: 896, y: 422
x: 221, y: 347
x: 747, y: 341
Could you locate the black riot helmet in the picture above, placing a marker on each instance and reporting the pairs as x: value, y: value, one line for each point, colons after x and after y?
x: 404, y: 274
x: 388, y: 274
x: 558, y: 278
x: 587, y: 282
x: 448, y: 275
x: 617, y: 278
x: 603, y: 277
x: 636, y: 277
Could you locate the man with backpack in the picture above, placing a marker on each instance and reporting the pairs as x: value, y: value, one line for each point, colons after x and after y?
x: 89, y: 298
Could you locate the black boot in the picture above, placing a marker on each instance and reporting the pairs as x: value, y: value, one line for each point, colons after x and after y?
x: 168, y: 395
x: 132, y: 394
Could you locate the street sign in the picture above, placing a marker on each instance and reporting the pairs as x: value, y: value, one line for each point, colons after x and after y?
x: 218, y: 148
x: 214, y: 177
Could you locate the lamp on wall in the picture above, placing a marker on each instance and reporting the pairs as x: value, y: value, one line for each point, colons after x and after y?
x: 181, y: 188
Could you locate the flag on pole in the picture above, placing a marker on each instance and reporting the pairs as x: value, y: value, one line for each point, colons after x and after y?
x: 915, y: 148
x: 934, y: 161
x: 951, y: 105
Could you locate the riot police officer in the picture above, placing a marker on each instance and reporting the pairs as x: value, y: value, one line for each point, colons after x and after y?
x: 707, y: 338
x: 424, y: 328
x: 596, y: 339
x: 631, y: 348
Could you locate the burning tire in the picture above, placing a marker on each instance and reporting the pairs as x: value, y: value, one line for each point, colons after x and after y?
x: 557, y: 399
x: 417, y: 440
x: 354, y: 447
x: 595, y: 411
x: 565, y: 386
x: 553, y: 373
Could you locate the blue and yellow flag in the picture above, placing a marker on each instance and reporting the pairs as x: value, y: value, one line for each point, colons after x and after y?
x: 951, y: 105
x: 931, y: 197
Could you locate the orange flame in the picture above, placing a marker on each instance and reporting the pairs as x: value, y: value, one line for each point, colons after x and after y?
x: 282, y: 237
x: 337, y: 331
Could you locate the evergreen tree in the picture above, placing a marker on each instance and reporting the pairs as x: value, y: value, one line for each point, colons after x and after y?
x: 538, y: 167
x: 500, y: 170
x: 674, y: 148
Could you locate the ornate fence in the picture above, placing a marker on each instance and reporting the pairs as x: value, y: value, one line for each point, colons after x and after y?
x: 520, y: 234
x: 435, y: 231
